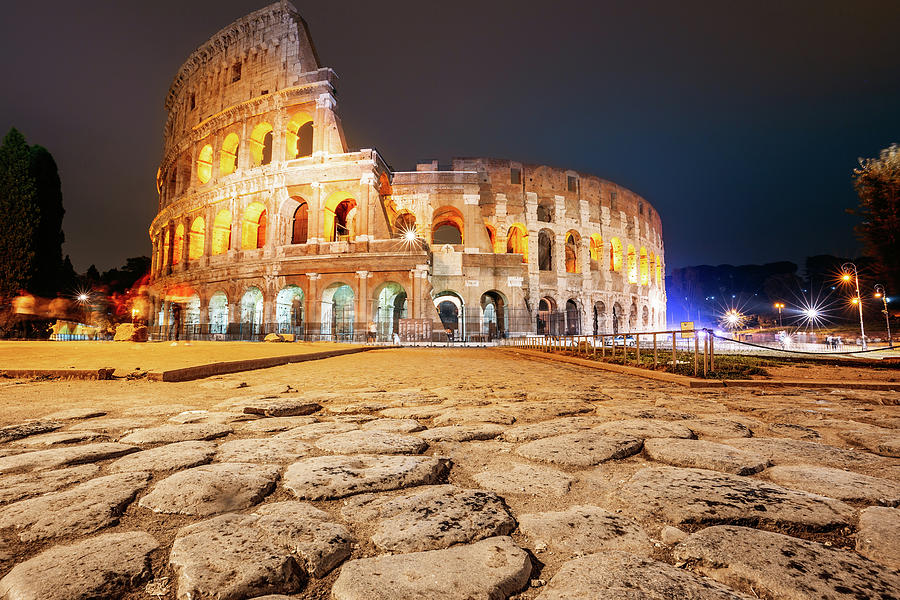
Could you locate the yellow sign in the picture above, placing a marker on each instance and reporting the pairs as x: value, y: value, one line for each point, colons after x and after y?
x: 687, y: 329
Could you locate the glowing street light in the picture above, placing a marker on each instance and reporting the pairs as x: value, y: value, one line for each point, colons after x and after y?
x: 733, y: 319
x: 845, y: 276
x: 780, y: 307
x: 881, y: 293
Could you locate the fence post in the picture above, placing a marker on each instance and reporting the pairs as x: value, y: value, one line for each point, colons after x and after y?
x: 696, y: 351
x: 637, y: 347
x: 712, y: 353
x: 655, y: 360
x: 674, y: 354
x: 705, y: 353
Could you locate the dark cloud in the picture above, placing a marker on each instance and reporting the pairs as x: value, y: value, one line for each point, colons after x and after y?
x: 740, y: 122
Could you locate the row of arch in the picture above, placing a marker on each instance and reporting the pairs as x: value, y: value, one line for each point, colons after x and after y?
x: 299, y: 136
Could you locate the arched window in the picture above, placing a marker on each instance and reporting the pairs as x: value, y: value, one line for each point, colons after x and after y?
x: 301, y: 224
x: 204, y: 164
x: 289, y: 310
x: 572, y: 253
x: 492, y: 235
x: 253, y: 227
x: 221, y: 233
x: 252, y: 309
x: 596, y: 250
x: 178, y: 244
x: 644, y: 268
x: 517, y: 241
x: 228, y: 155
x: 196, y: 238
x: 545, y: 250
x: 632, y: 265
x: 652, y: 268
x: 573, y: 318
x: 447, y: 226
x: 659, y: 271
x: 218, y: 313
x: 342, y: 219
x: 405, y: 225
x: 299, y: 136
x: 167, y: 243
x: 615, y: 255
x: 545, y: 210
x: 261, y: 144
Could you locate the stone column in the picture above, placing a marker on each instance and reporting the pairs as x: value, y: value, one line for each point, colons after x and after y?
x: 363, y: 205
x: 324, y: 104
x: 313, y: 303
x: 362, y: 299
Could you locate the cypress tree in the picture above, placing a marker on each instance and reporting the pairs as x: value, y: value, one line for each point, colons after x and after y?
x: 19, y: 214
x: 48, y: 234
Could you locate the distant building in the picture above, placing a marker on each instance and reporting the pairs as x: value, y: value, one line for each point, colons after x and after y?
x: 268, y: 222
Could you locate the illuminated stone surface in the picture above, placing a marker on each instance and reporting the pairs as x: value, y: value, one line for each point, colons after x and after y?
x: 211, y: 489
x: 584, y: 530
x: 167, y: 434
x: 703, y: 455
x: 462, y: 433
x: 24, y: 485
x: 63, y: 457
x: 879, y: 530
x: 530, y: 480
x: 264, y: 451
x: 837, y: 483
x: 169, y: 457
x: 646, y: 428
x: 371, y: 442
x: 581, y: 449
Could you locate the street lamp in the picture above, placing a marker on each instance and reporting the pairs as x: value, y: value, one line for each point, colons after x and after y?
x: 845, y: 268
x: 880, y: 293
x: 780, y: 307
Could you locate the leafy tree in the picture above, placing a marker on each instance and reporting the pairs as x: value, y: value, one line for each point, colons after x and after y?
x: 19, y: 214
x: 48, y: 234
x: 877, y: 182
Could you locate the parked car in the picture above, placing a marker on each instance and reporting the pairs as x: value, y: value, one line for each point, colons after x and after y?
x: 620, y: 340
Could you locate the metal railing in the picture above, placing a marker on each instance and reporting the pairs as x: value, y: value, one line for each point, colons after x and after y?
x: 690, y: 350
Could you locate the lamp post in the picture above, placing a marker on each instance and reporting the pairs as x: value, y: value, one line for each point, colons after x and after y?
x: 880, y: 293
x: 780, y: 307
x: 846, y: 277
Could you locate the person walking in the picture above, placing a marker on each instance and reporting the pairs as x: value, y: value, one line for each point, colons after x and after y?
x: 176, y: 323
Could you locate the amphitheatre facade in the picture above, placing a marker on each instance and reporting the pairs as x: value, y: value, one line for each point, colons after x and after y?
x: 268, y: 221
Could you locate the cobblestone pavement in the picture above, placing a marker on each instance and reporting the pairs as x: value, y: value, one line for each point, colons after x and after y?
x: 445, y: 473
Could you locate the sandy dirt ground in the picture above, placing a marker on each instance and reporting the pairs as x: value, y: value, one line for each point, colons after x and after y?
x: 130, y: 357
x: 825, y: 372
x: 440, y: 387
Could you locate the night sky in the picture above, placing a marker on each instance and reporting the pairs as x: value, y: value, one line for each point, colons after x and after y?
x: 740, y: 122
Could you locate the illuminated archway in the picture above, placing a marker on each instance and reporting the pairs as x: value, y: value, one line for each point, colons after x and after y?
x: 596, y: 250
x: 261, y: 144
x: 659, y: 271
x: 645, y: 317
x: 390, y: 307
x: 652, y: 268
x: 178, y: 244
x: 545, y: 210
x: 633, y: 317
x: 300, y: 229
x: 644, y: 268
x: 492, y: 235
x: 447, y: 226
x: 196, y: 239
x: 299, y: 136
x: 167, y: 243
x: 573, y: 318
x: 545, y: 250
x: 253, y: 226
x: 289, y: 310
x: 572, y: 242
x: 405, y: 225
x: 228, y: 154
x: 599, y: 317
x: 218, y: 313
x: 631, y: 265
x: 338, y: 312
x: 204, y: 164
x: 548, y: 320
x: 221, y: 233
x: 517, y: 240
x: 493, y: 315
x: 450, y: 309
x: 615, y: 255
x: 339, y: 212
x: 252, y: 310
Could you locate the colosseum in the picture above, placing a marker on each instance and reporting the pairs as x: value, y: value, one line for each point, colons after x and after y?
x: 269, y: 222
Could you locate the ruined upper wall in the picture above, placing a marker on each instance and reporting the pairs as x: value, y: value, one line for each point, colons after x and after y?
x: 266, y: 51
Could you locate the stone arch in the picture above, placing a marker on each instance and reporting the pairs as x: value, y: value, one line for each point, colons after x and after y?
x: 221, y: 232
x: 548, y: 317
x: 618, y: 317
x: 599, y: 317
x: 253, y: 226
x: 633, y: 317
x: 450, y: 309
x: 631, y: 265
x: 596, y: 249
x: 228, y: 155
x: 218, y: 313
x: 615, y: 255
x: 197, y: 239
x: 300, y: 223
x: 289, y: 310
x: 645, y: 317
x: 545, y: 250
x: 405, y: 225
x: 167, y: 243
x: 338, y: 312
x: 182, y: 174
x: 390, y: 305
x: 644, y: 267
x: 492, y: 234
x: 447, y: 226
x: 340, y: 210
x: 205, y: 164
x: 652, y: 273
x: 573, y: 317
x: 261, y: 142
x: 252, y: 311
x: 178, y: 244
x: 517, y: 240
x: 299, y: 136
x: 494, y: 319
x: 573, y: 240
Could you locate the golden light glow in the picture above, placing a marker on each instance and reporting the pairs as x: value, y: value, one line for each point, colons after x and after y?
x: 846, y: 277
x: 659, y: 270
x: 645, y: 267
x: 615, y: 255
x: 779, y: 305
x: 517, y: 240
x: 258, y: 143
x: 448, y: 216
x: 228, y: 154
x: 572, y: 243
x: 878, y: 294
x: 596, y: 248
x: 632, y: 265
x: 221, y: 233
x: 298, y: 120
x: 253, y: 227
x: 854, y: 301
x: 331, y: 210
x: 204, y: 164
x: 178, y: 244
x: 196, y: 238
